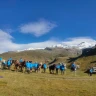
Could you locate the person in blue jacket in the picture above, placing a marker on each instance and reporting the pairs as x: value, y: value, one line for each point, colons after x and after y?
x: 10, y: 59
x: 62, y: 69
x: 0, y: 58
x: 73, y: 66
x: 21, y: 60
x: 8, y: 64
x: 57, y: 68
x: 91, y: 71
x: 36, y: 66
x: 44, y: 67
x: 28, y: 66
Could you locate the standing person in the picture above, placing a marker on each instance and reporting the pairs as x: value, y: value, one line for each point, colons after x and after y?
x: 91, y: 71
x: 44, y: 67
x: 57, y: 68
x: 62, y: 69
x: 28, y: 66
x: 8, y: 64
x: 36, y: 66
x: 65, y: 68
x: 0, y: 59
x: 73, y: 66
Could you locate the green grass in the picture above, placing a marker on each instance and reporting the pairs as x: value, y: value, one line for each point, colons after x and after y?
x: 40, y: 84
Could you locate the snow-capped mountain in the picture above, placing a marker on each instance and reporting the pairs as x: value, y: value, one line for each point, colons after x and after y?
x: 81, y: 45
x: 30, y: 49
x: 68, y: 45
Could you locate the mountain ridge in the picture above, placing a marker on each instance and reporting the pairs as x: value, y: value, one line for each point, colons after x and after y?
x: 81, y: 45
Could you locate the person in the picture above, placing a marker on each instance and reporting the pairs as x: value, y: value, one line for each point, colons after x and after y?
x: 73, y: 66
x: 62, y: 69
x: 91, y: 71
x: 65, y: 68
x: 44, y: 67
x: 8, y: 64
x: 35, y: 66
x: 28, y: 66
x: 57, y: 68
x: 21, y: 60
x: 0, y: 58
x: 10, y: 60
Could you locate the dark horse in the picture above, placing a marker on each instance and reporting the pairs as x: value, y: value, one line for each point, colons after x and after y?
x: 52, y: 68
x: 22, y: 65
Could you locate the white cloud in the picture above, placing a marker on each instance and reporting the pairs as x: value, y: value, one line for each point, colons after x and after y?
x: 38, y: 28
x: 7, y: 44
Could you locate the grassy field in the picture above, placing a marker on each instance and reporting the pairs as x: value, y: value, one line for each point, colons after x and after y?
x: 45, y: 84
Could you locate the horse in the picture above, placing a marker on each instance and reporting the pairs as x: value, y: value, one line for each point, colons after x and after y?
x: 22, y: 66
x: 52, y: 68
x: 15, y: 64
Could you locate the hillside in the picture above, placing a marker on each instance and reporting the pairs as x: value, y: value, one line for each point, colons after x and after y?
x: 86, y: 59
x: 57, y: 55
x: 48, y: 54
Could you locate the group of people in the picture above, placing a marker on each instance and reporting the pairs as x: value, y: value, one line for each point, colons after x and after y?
x: 36, y: 66
x: 22, y: 65
x: 29, y: 66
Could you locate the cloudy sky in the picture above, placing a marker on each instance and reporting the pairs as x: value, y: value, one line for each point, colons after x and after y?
x: 41, y: 23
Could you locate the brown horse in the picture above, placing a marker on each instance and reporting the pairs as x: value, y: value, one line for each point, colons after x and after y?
x: 16, y: 63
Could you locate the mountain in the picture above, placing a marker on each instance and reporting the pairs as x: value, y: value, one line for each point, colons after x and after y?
x: 85, y: 57
x: 81, y: 45
x: 42, y: 54
x: 76, y: 45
